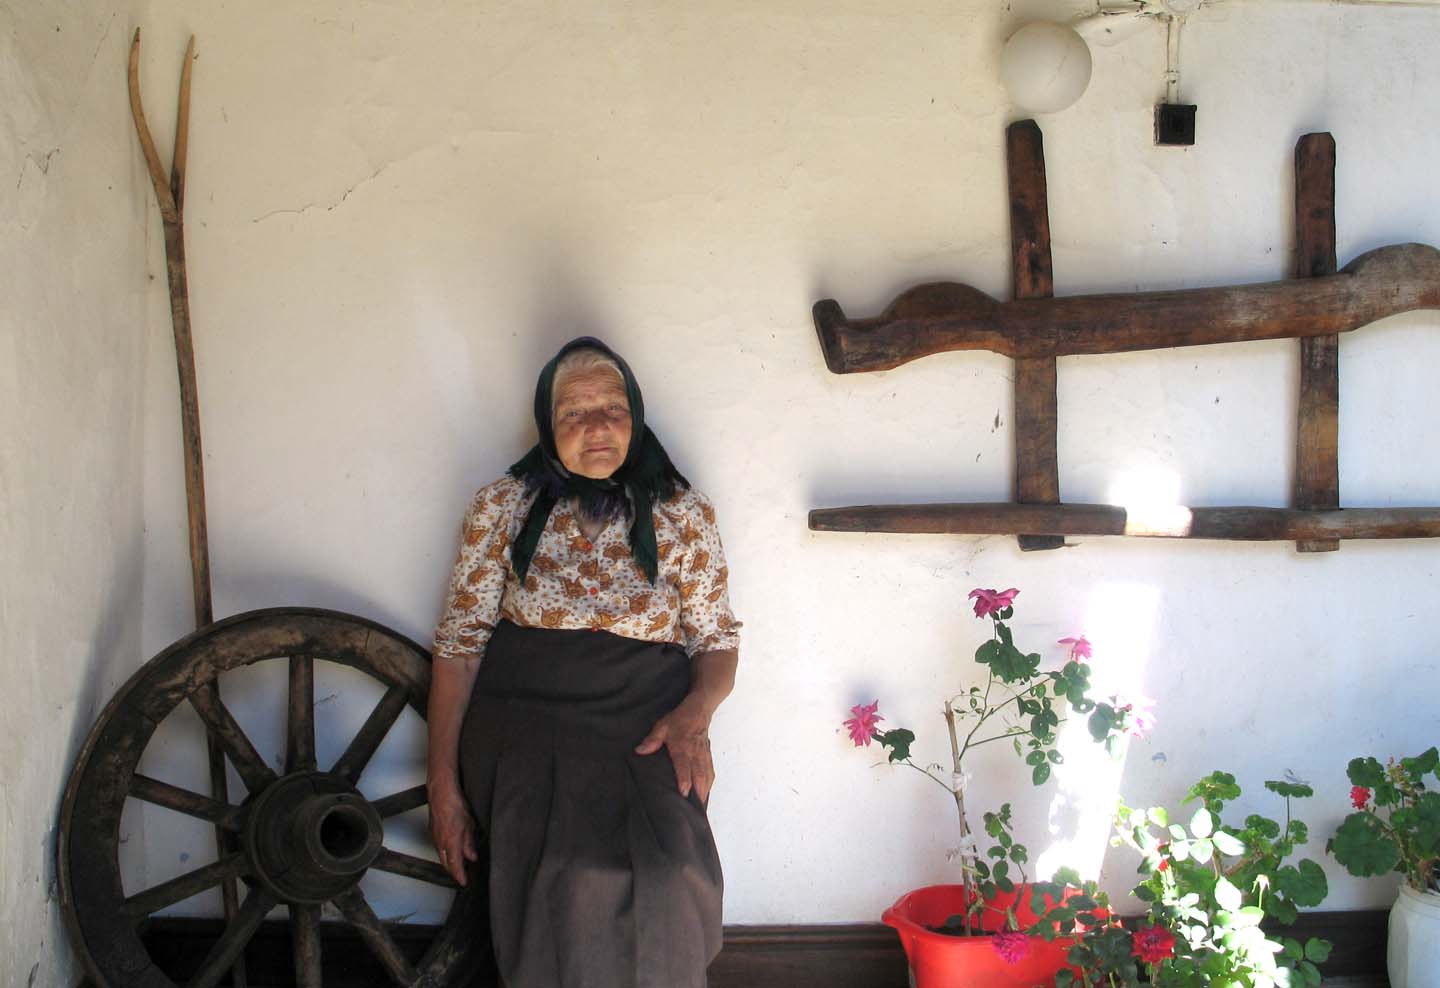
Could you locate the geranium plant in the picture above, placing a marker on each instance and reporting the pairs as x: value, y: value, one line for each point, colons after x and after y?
x: 1396, y: 823
x: 1208, y: 887
x: 1019, y: 703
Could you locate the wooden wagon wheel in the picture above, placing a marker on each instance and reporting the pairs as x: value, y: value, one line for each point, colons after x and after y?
x: 303, y: 836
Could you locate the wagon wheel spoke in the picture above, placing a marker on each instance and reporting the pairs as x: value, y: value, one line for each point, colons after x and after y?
x: 376, y: 726
x: 225, y: 729
x: 300, y: 727
x: 402, y: 802
x: 232, y: 942
x: 182, y: 887
x: 305, y: 920
x: 185, y: 801
x: 355, y: 909
x: 410, y: 866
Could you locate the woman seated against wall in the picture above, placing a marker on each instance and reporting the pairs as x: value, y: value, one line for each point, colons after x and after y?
x: 585, y: 644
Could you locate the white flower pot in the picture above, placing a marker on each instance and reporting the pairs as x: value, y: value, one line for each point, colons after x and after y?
x: 1413, y: 954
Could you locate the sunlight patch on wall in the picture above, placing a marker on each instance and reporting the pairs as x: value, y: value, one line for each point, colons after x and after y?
x: 1120, y: 621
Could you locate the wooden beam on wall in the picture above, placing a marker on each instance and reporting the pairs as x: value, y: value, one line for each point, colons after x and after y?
x: 1317, y: 439
x: 1241, y: 524
x: 1037, y: 470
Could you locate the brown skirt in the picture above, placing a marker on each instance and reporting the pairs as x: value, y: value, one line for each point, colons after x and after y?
x: 601, y: 874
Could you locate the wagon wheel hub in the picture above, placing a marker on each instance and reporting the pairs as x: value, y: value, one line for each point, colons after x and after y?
x: 310, y: 836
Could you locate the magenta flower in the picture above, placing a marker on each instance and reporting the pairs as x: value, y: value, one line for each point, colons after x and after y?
x: 862, y: 724
x: 1079, y: 647
x: 989, y: 602
x: 1141, y: 714
x: 1359, y: 797
x: 1011, y: 945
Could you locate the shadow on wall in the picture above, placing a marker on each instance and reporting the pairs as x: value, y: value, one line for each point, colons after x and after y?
x: 114, y: 650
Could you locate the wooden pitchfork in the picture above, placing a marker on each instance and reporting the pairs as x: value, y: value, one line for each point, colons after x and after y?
x: 170, y: 194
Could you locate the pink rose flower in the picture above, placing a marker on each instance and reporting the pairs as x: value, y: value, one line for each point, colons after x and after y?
x: 1079, y: 647
x: 861, y: 724
x: 989, y: 602
x: 1359, y: 797
x: 1011, y: 945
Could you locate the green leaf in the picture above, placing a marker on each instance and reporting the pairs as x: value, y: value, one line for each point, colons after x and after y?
x: 1422, y: 764
x: 1159, y: 816
x: 1035, y: 758
x: 1041, y: 773
x: 995, y: 852
x: 1227, y: 843
x: 1202, y: 851
x: 1055, y: 757
x: 1427, y: 824
x: 1000, y: 871
x: 898, y: 741
x: 1227, y: 896
x: 1213, y: 790
x: 1304, y: 885
x: 988, y: 652
x: 1317, y: 950
x: 1362, y: 846
x: 1101, y: 722
x: 1202, y: 824
x: 1283, y: 910
x: 1249, y: 916
x: 1018, y: 854
x: 1296, y: 790
x: 1365, y: 772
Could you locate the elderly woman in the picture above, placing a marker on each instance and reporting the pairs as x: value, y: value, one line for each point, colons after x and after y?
x: 585, y: 644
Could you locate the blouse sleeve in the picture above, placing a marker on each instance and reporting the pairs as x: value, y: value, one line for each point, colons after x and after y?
x: 706, y: 621
x: 477, y: 583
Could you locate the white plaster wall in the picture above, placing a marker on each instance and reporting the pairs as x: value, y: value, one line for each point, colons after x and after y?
x: 398, y: 211
x: 73, y: 279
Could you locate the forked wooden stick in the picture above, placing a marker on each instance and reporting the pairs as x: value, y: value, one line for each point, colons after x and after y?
x: 170, y: 194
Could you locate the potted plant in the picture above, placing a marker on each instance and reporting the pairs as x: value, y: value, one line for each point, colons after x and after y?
x: 1208, y: 887
x: 972, y: 932
x: 1396, y: 827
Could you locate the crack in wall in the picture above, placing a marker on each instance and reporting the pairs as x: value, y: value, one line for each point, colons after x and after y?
x: 309, y: 207
x: 41, y: 162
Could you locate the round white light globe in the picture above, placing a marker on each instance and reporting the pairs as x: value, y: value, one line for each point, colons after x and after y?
x: 1045, y: 67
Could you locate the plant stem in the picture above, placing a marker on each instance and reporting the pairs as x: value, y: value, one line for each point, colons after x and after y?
x: 959, y: 794
x: 926, y: 773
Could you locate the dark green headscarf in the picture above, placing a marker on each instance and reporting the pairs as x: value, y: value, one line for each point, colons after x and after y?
x: 646, y: 476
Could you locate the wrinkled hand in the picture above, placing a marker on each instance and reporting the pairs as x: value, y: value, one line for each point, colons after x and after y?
x: 452, y: 829
x: 685, y: 731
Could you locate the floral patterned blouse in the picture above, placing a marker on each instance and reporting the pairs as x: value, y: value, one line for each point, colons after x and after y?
x: 574, y: 583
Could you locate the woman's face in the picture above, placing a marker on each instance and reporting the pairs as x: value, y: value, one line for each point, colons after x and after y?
x: 592, y: 423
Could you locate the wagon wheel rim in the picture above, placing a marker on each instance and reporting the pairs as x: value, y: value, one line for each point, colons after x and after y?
x: 304, y: 835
